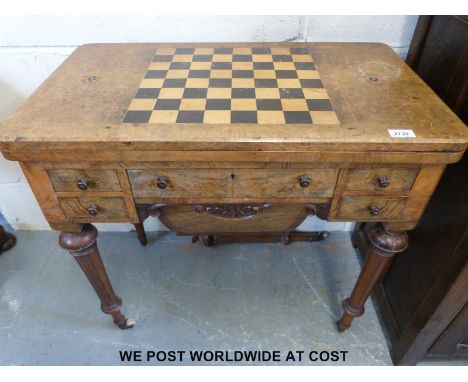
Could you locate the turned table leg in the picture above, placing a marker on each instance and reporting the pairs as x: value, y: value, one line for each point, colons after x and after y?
x: 384, y: 245
x: 83, y: 247
x: 140, y: 230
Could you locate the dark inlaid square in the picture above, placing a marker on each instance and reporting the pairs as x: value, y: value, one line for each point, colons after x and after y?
x: 242, y: 74
x: 265, y: 83
x: 244, y: 117
x: 174, y: 83
x: 282, y: 58
x: 162, y: 58
x: 199, y: 74
x: 319, y: 105
x: 185, y: 50
x: 313, y: 83
x: 300, y: 51
x: 218, y: 104
x: 180, y: 65
x: 195, y: 93
x: 137, y: 116
x: 220, y: 83
x: 304, y: 65
x: 269, y: 104
x: 156, y: 74
x: 242, y: 58
x: 202, y: 58
x: 190, y: 116
x: 297, y: 117
x: 261, y: 51
x: 286, y: 74
x: 243, y: 93
x: 263, y: 65
x: 291, y: 93
x: 222, y: 50
x: 167, y: 104
x: 221, y: 65
x: 147, y: 93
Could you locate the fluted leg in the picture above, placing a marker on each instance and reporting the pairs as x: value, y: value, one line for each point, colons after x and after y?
x: 384, y: 245
x: 83, y: 247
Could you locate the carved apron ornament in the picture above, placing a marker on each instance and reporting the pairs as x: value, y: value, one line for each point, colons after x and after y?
x: 232, y: 211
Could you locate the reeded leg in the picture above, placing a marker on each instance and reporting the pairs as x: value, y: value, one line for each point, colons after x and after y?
x: 140, y: 230
x: 83, y: 247
x: 384, y: 245
x: 7, y: 240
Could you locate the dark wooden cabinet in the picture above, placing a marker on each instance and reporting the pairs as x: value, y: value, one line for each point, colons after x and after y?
x: 423, y: 300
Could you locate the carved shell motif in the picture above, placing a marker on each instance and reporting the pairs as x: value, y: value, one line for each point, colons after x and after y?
x: 232, y: 211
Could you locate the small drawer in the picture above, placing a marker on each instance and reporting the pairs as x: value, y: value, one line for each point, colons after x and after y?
x: 94, y: 209
x: 293, y: 183
x: 180, y: 183
x: 84, y: 180
x: 371, y: 208
x: 381, y: 179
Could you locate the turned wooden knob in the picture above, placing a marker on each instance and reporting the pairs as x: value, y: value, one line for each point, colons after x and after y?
x: 304, y: 181
x: 382, y: 181
x: 162, y: 182
x: 374, y: 210
x: 93, y: 209
x: 83, y: 183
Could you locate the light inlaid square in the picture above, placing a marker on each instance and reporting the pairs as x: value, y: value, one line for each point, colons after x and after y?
x: 197, y: 83
x: 152, y: 83
x: 284, y: 51
x: 289, y: 83
x: 177, y: 74
x: 192, y: 104
x: 217, y: 116
x: 224, y: 93
x: 221, y: 73
x: 262, y: 58
x: 270, y: 117
x: 267, y: 93
x: 222, y: 57
x: 294, y: 105
x: 204, y: 50
x: 159, y: 66
x: 264, y: 74
x: 163, y: 116
x: 243, y: 104
x: 307, y: 74
x: 243, y: 83
x: 142, y: 104
x: 242, y: 51
x: 302, y: 58
x: 200, y: 65
x: 315, y: 93
x: 165, y: 51
x: 324, y: 117
x: 242, y: 65
x: 182, y: 58
x: 284, y: 66
x: 171, y: 93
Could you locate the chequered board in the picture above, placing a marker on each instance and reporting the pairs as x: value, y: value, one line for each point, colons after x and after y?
x: 231, y: 85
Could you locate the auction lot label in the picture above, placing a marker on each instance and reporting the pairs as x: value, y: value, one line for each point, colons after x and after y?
x: 234, y: 356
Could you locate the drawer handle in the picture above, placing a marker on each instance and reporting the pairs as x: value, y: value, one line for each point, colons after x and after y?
x: 83, y: 183
x: 304, y: 181
x: 93, y: 209
x: 162, y: 182
x: 374, y: 210
x: 382, y: 181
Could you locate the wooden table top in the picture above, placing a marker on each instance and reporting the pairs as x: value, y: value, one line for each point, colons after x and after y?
x: 245, y: 96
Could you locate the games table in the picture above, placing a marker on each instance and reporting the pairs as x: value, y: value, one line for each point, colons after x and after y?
x: 239, y: 139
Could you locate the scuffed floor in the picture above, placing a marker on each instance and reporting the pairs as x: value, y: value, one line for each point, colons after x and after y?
x: 183, y: 296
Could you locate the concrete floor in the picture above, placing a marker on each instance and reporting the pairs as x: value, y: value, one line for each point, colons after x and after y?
x: 183, y: 296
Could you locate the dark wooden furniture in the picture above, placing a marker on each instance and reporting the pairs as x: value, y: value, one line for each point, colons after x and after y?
x: 218, y: 139
x: 423, y: 300
x: 7, y: 240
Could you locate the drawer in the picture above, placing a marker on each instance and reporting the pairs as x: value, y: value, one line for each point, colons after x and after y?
x: 381, y: 179
x: 292, y: 183
x: 94, y: 209
x: 84, y: 180
x: 180, y: 183
x: 370, y: 208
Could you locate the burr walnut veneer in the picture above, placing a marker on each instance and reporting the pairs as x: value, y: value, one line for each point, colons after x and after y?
x: 244, y: 139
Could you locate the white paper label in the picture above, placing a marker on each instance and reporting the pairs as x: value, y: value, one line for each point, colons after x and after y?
x: 401, y: 133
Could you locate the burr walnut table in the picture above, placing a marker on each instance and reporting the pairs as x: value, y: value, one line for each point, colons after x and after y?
x: 243, y: 139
